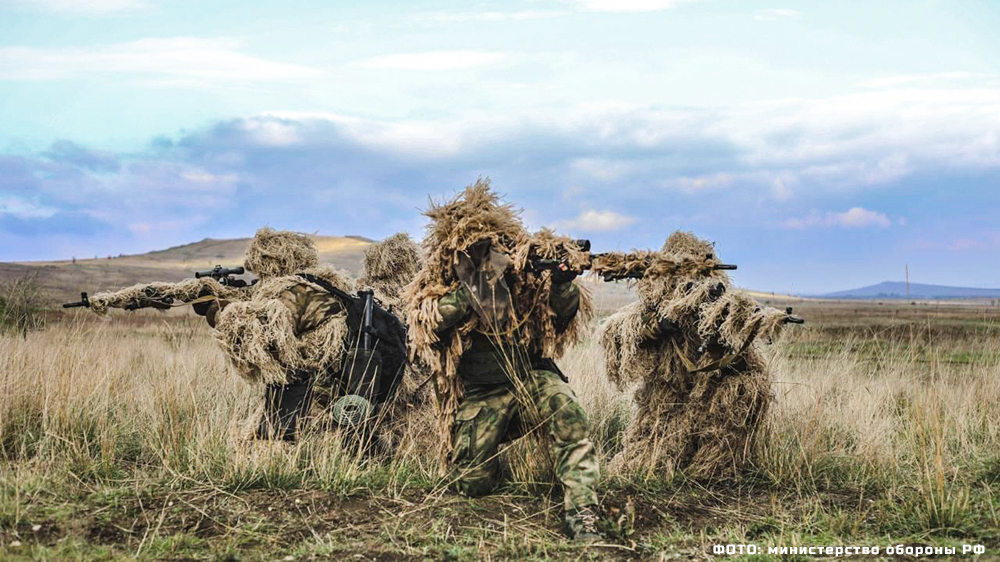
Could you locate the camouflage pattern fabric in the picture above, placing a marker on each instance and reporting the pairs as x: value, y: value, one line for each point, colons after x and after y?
x: 310, y: 306
x: 490, y: 415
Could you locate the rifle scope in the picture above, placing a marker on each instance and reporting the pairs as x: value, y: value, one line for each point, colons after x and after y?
x: 219, y: 271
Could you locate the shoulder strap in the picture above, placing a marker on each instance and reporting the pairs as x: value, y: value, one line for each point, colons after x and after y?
x: 330, y: 287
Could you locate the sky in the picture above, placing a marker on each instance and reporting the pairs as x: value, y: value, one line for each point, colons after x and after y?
x: 822, y: 145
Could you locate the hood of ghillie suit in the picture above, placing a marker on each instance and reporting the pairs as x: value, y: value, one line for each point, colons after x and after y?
x: 389, y: 266
x: 653, y: 291
x: 274, y: 253
x: 475, y: 214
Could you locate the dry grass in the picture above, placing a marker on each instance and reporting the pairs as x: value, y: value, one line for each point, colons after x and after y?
x: 128, y: 437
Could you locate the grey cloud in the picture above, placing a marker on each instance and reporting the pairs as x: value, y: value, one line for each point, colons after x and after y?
x: 93, y: 160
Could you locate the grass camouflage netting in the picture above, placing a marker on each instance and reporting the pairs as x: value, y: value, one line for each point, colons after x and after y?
x: 156, y: 295
x: 260, y: 336
x: 476, y: 214
x: 274, y: 253
x: 388, y: 266
x: 705, y: 424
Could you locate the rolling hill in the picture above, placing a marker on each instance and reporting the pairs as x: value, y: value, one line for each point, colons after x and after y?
x: 897, y: 290
x: 63, y: 280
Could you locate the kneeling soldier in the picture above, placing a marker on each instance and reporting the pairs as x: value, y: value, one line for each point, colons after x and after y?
x: 489, y: 327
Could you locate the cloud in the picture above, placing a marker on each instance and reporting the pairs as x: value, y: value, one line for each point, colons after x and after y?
x: 432, y: 60
x: 180, y: 59
x: 91, y: 7
x: 659, y: 169
x: 718, y: 180
x: 626, y: 6
x: 464, y: 17
x: 596, y: 221
x: 93, y: 160
x: 926, y: 79
x: 856, y: 217
x: 21, y: 209
x: 772, y: 14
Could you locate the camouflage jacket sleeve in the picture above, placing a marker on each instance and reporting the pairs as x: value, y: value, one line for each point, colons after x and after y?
x: 565, y: 302
x: 453, y: 307
x: 310, y: 307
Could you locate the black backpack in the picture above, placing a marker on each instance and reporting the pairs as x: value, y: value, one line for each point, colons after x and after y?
x: 377, y: 358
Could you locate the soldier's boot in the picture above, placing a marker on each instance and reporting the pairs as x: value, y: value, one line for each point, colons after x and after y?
x: 581, y: 524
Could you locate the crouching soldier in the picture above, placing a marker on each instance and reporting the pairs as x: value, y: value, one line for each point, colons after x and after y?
x: 489, y: 327
x: 308, y: 338
x: 691, y: 343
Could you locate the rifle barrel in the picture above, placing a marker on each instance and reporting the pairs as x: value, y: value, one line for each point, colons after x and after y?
x: 83, y: 302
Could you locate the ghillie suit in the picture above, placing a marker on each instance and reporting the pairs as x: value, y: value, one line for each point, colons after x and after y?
x: 163, y: 296
x: 691, y: 343
x: 291, y: 335
x: 489, y: 328
x: 388, y: 266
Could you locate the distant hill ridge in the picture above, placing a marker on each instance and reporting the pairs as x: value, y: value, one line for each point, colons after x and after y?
x: 64, y: 279
x: 897, y: 290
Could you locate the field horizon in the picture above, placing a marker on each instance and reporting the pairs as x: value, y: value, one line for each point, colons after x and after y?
x: 883, y: 431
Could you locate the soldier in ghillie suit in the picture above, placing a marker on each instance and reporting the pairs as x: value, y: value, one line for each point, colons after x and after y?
x: 292, y: 334
x: 489, y: 327
x: 690, y: 341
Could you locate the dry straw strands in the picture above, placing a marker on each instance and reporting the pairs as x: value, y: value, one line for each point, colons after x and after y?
x: 705, y: 424
x: 142, y: 294
x: 261, y: 336
x: 388, y: 266
x: 273, y: 253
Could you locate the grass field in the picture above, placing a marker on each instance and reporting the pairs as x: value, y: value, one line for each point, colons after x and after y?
x: 127, y: 437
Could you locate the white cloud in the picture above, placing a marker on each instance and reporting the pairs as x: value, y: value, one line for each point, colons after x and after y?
x: 625, y: 6
x: 772, y: 14
x: 23, y: 209
x: 604, y: 169
x: 706, y: 182
x: 432, y: 60
x: 925, y: 79
x: 596, y: 221
x: 97, y: 7
x: 856, y: 217
x: 424, y: 139
x: 180, y: 58
x: 463, y: 17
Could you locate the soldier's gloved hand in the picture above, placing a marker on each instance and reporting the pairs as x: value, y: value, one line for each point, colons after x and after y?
x: 201, y: 308
x: 791, y: 318
x: 667, y: 327
x: 213, y: 310
x: 563, y: 274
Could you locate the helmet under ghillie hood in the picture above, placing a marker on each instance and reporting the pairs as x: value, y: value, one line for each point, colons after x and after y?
x: 274, y: 253
x: 389, y: 265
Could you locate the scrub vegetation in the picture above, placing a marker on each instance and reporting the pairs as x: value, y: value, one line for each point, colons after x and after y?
x: 128, y: 436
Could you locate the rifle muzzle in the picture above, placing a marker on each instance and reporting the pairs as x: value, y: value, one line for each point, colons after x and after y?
x: 724, y: 267
x: 83, y: 302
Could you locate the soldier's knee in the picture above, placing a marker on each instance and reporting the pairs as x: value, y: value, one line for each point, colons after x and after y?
x: 569, y: 421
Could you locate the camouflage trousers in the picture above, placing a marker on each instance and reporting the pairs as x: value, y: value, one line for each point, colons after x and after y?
x: 487, y: 417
